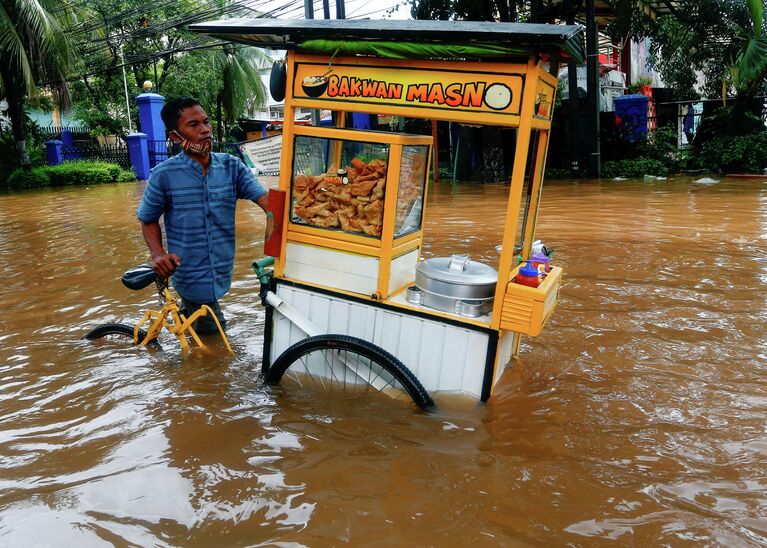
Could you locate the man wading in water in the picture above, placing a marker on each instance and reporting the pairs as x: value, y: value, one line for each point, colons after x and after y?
x: 196, y: 192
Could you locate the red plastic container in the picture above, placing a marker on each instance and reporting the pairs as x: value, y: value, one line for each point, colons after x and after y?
x: 528, y: 275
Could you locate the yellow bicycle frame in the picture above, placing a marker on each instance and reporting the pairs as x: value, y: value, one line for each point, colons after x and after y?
x: 178, y: 324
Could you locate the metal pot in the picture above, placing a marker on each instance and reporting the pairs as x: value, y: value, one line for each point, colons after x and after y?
x: 456, y: 284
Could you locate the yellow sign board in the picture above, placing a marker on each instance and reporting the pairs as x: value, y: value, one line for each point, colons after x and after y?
x: 544, y: 101
x: 482, y: 90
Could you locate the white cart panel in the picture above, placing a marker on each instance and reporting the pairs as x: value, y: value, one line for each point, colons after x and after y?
x: 444, y: 357
x: 336, y: 269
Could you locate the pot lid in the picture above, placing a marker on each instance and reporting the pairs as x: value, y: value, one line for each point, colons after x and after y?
x: 458, y: 269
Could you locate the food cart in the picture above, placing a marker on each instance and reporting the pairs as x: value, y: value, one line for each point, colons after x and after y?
x: 351, y: 203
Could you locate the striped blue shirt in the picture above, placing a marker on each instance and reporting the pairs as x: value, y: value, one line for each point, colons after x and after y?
x: 199, y: 218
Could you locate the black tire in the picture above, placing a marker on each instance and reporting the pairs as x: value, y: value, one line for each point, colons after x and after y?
x: 120, y: 330
x: 379, y: 366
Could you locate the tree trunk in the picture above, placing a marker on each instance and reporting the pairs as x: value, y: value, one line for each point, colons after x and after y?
x: 219, y: 118
x: 167, y: 64
x: 14, y: 95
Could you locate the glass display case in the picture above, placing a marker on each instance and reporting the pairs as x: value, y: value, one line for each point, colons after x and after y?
x: 343, y: 180
x: 354, y: 208
x: 339, y: 184
x: 412, y: 183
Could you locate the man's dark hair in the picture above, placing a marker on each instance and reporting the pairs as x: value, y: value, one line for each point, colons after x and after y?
x: 171, y: 112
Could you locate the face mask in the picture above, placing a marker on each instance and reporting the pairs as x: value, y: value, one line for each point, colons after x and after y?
x: 200, y: 149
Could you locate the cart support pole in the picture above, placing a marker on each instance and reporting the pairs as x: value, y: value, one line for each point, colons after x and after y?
x: 301, y: 321
x: 305, y: 325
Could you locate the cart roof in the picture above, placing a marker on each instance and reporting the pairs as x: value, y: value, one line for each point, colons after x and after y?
x: 556, y: 40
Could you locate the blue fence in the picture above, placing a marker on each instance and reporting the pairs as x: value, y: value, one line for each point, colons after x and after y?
x: 160, y: 151
x: 88, y: 150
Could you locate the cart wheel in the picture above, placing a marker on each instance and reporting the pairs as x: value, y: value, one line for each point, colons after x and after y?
x: 341, y: 362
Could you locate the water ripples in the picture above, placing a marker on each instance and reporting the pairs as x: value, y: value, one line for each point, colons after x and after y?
x: 637, y: 417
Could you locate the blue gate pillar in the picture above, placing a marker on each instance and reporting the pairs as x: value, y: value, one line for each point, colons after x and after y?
x: 66, y: 137
x: 149, y: 108
x: 54, y: 152
x: 138, y: 152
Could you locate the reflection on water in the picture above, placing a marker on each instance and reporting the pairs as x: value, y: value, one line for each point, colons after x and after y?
x: 637, y: 416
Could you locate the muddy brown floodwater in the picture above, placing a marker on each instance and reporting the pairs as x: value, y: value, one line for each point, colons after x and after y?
x: 638, y: 417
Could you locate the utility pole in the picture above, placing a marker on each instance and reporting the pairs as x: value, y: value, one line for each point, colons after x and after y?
x: 592, y: 89
x: 340, y: 9
x: 125, y: 84
x: 573, y: 122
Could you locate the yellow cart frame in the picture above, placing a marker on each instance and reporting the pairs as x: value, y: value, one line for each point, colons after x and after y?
x: 516, y: 90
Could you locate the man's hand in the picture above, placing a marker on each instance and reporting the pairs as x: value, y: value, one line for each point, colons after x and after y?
x: 164, y: 265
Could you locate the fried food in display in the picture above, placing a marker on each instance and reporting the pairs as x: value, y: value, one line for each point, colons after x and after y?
x: 324, y: 201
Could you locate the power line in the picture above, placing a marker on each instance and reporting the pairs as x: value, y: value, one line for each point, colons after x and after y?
x: 105, y: 47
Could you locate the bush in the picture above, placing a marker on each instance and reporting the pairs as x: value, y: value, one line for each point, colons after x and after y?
x: 70, y: 173
x: 125, y: 176
x: 33, y: 178
x: 660, y: 145
x: 638, y: 167
x: 735, y: 154
x: 78, y: 173
x: 557, y: 173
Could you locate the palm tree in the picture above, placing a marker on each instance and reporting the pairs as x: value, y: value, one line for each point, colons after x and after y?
x: 241, y: 82
x: 751, y: 62
x: 33, y: 46
x: 749, y: 68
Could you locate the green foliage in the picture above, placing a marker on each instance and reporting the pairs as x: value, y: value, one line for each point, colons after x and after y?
x: 34, y: 44
x: 34, y: 47
x: 638, y: 167
x: 194, y: 76
x: 635, y: 87
x: 689, y: 160
x: 28, y: 178
x: 557, y: 173
x: 727, y: 154
x: 78, y: 173
x: 660, y: 145
x: 721, y: 153
x: 70, y: 173
x: 158, y: 48
x: 241, y: 82
x: 724, y: 39
x: 750, y: 66
x: 670, y: 55
x: 9, y: 159
x: 147, y: 41
x: 720, y: 122
x: 106, y: 115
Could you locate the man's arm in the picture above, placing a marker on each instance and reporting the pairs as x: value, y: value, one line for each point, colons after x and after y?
x: 263, y: 203
x: 250, y: 188
x: 163, y: 263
